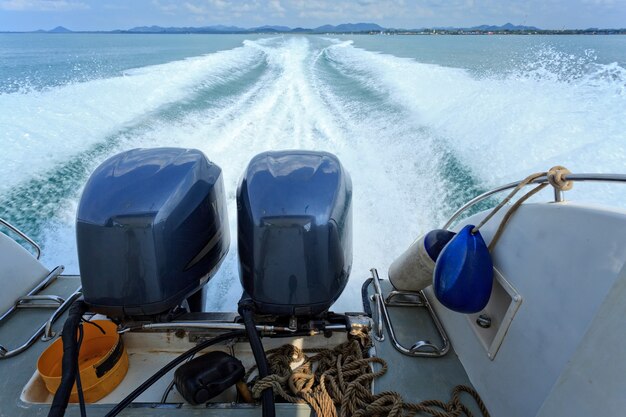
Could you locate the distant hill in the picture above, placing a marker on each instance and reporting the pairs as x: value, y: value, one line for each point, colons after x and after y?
x: 343, y: 28
x: 204, y: 29
x: 506, y: 26
x: 482, y: 28
x: 270, y: 28
x: 58, y: 29
x: 301, y: 30
x: 350, y: 27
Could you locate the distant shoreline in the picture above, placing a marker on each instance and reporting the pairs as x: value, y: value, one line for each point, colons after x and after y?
x: 371, y: 33
x: 341, y: 29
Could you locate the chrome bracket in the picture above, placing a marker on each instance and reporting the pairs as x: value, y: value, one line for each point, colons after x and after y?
x: 422, y: 348
x: 358, y: 322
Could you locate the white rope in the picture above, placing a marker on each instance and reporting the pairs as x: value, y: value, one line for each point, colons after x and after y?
x: 556, y: 178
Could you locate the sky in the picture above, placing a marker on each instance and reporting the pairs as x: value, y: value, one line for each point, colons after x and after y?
x: 26, y: 15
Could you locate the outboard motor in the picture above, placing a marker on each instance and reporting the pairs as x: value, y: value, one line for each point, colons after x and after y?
x: 151, y: 230
x: 294, y: 231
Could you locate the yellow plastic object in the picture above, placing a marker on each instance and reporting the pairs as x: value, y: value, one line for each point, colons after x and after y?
x: 102, y: 362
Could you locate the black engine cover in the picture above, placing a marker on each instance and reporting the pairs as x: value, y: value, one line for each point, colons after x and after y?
x: 294, y: 231
x: 151, y: 229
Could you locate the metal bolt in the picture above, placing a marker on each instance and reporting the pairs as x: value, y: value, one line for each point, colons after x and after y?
x: 293, y: 323
x: 46, y: 337
x: 484, y: 321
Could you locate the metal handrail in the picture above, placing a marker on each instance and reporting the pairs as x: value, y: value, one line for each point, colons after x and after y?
x: 45, y: 330
x: 35, y: 301
x: 48, y: 334
x: 422, y: 348
x: 539, y: 180
x: 22, y: 235
x: 32, y: 300
x: 48, y: 280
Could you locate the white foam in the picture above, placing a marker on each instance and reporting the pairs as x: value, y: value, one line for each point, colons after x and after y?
x: 499, y: 127
x: 288, y: 107
x: 39, y: 129
x: 503, y: 128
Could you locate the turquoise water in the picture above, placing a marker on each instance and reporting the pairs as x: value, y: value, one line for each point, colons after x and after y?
x: 421, y: 122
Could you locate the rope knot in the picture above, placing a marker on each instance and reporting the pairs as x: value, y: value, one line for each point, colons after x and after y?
x: 338, y: 381
x: 555, y: 178
x: 270, y: 381
x: 300, y: 382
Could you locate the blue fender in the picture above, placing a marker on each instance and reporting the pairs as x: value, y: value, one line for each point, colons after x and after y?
x: 435, y: 241
x: 463, y: 274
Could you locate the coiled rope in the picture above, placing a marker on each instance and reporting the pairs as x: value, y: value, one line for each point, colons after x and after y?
x: 555, y: 178
x: 341, y: 379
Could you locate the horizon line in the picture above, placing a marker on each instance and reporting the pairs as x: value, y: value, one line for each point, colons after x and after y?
x: 224, y: 29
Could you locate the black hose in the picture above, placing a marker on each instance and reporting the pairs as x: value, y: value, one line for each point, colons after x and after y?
x: 154, y: 378
x: 69, y: 364
x: 267, y: 396
x: 79, y: 384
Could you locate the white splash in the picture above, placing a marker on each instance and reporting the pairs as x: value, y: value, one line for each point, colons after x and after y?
x: 388, y: 119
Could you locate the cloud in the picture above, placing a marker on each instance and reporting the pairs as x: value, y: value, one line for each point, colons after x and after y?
x: 351, y: 10
x: 245, y: 7
x: 42, y: 5
x: 216, y: 8
x: 600, y: 2
x: 165, y: 7
x: 195, y: 9
x: 311, y: 13
x: 219, y: 4
x: 276, y: 7
x: 108, y: 6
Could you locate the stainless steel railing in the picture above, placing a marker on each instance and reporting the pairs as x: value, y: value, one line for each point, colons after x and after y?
x: 422, y: 348
x: 558, y: 196
x: 22, y: 235
x: 33, y: 299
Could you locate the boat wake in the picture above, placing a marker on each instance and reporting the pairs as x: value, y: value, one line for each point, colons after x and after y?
x: 418, y: 139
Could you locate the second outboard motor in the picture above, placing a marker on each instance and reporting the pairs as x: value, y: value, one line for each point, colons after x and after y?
x: 151, y: 230
x: 295, y: 231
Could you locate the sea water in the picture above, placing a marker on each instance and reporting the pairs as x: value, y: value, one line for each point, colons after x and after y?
x: 422, y: 123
